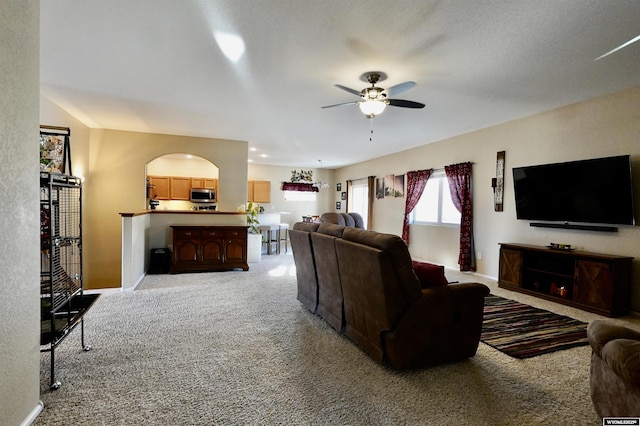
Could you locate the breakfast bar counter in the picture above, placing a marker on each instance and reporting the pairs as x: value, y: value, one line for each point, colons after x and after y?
x: 148, y: 229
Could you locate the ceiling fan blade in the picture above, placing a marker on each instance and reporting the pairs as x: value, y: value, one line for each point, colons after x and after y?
x: 404, y: 104
x: 399, y: 88
x: 345, y: 88
x: 342, y: 104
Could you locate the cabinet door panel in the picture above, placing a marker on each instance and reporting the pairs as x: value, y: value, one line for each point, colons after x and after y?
x: 180, y: 188
x: 186, y: 251
x: 210, y: 183
x: 212, y: 250
x: 160, y: 190
x: 594, y: 284
x: 511, y: 267
x: 235, y: 250
x: 261, y: 191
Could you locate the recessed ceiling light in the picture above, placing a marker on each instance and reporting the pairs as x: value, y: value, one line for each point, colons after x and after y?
x: 249, y: 160
x: 263, y: 155
x: 253, y: 149
x: 231, y: 45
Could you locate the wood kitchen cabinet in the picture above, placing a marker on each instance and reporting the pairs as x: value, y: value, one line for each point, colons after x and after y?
x: 593, y: 282
x: 159, y: 187
x: 259, y: 191
x: 209, y: 183
x: 180, y: 188
x: 209, y: 248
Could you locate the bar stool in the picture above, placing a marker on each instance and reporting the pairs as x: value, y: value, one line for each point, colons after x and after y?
x: 282, y: 236
x: 269, y: 235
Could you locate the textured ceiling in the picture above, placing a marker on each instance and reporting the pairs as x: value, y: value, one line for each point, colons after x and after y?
x: 154, y: 66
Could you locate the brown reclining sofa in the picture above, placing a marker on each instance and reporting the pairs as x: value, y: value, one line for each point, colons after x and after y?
x: 363, y: 284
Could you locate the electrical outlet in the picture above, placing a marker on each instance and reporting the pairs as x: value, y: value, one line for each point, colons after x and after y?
x: 479, y: 255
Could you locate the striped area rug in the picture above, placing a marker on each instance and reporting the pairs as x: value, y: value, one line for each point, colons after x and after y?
x: 522, y: 331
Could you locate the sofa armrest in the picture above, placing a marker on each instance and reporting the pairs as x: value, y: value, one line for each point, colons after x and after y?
x: 618, y: 347
x: 457, y: 290
x: 623, y: 356
x: 601, y: 332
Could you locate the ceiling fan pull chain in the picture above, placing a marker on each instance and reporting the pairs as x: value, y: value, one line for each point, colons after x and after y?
x: 371, y: 132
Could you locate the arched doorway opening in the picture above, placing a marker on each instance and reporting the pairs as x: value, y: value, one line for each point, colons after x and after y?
x: 170, y: 177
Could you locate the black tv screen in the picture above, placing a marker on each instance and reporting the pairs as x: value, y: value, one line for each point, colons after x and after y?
x: 587, y: 191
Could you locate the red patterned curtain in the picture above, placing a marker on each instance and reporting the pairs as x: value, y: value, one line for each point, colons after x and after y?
x: 302, y: 187
x: 416, y: 181
x: 459, y: 177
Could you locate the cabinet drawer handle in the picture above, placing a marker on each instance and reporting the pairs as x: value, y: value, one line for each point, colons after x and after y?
x: 235, y: 234
x: 187, y: 233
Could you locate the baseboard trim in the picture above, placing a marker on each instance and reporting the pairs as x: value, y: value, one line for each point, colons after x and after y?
x: 33, y: 414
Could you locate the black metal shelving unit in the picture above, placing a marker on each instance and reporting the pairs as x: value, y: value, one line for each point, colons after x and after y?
x: 62, y: 298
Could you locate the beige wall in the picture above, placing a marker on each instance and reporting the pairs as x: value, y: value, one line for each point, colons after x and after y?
x: 113, y: 166
x: 19, y: 212
x: 186, y: 167
x: 600, y: 127
x: 116, y: 183
x: 294, y: 210
x: 52, y: 115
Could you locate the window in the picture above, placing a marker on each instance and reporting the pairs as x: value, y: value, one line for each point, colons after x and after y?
x: 299, y: 196
x: 435, y: 205
x: 359, y: 199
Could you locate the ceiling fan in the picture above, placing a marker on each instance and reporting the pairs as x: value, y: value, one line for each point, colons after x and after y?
x: 373, y: 100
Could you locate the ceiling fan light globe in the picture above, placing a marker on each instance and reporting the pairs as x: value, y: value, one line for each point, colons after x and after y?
x: 372, y: 108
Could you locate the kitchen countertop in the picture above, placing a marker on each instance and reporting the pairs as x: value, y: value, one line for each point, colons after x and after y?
x: 197, y: 212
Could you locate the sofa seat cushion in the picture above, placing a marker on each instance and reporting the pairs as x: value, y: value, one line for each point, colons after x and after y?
x: 430, y: 275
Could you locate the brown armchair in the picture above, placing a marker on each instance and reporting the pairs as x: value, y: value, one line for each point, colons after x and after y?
x: 615, y: 369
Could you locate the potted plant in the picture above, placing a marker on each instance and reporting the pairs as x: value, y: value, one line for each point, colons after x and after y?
x: 254, y: 239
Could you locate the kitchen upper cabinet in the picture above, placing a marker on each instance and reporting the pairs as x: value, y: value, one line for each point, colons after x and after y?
x: 200, y: 182
x: 180, y: 188
x: 209, y: 183
x: 259, y: 191
x: 159, y: 187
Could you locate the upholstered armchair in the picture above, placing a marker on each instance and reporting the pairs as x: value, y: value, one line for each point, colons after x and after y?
x: 343, y: 219
x: 615, y: 369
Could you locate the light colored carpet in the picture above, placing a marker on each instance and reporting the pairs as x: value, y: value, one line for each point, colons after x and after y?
x: 237, y: 348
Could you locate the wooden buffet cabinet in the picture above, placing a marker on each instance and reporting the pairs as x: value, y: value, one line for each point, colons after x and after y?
x: 208, y: 248
x: 598, y: 283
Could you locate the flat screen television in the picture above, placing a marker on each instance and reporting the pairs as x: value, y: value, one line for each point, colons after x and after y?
x: 597, y: 191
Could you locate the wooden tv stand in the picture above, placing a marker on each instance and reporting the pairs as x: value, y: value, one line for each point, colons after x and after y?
x: 598, y: 283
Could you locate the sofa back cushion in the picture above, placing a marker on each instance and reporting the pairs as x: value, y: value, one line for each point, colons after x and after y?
x: 331, y: 229
x: 348, y: 219
x: 332, y: 217
x: 408, y: 284
x: 329, y: 284
x: 305, y: 264
x: 357, y: 218
x: 373, y: 302
x: 306, y: 226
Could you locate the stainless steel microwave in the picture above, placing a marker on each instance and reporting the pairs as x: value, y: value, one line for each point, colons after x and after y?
x: 203, y: 195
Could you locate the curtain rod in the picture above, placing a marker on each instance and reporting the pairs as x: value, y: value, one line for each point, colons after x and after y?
x: 442, y: 168
x: 364, y: 178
